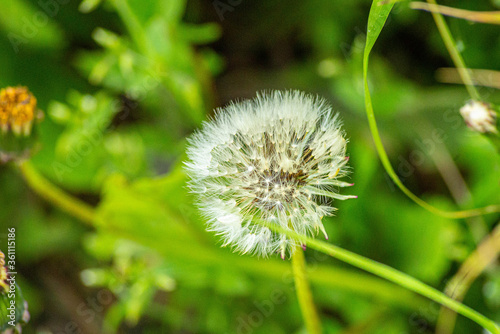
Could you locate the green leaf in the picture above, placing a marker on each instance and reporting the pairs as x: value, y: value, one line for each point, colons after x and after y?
x: 91, y: 117
x: 23, y: 22
x: 376, y: 20
x: 86, y: 6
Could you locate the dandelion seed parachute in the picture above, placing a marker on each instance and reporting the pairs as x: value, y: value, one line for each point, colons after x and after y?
x: 277, y: 158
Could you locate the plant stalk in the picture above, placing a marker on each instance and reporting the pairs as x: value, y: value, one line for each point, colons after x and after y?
x: 389, y: 274
x: 304, y: 294
x: 455, y: 55
x: 55, y: 195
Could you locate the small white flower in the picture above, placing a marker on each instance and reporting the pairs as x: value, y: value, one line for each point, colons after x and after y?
x: 275, y: 158
x: 479, y: 116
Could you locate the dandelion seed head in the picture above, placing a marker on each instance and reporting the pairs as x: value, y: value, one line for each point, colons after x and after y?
x: 479, y: 116
x: 277, y: 158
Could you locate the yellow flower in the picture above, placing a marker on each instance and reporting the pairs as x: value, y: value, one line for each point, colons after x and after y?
x: 18, y: 118
x: 17, y: 110
x: 3, y: 274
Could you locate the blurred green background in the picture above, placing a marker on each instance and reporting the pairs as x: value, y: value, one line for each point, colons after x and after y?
x: 124, y: 82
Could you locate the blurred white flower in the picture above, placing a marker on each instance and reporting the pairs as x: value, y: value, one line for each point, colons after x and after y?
x: 479, y: 116
x: 276, y: 158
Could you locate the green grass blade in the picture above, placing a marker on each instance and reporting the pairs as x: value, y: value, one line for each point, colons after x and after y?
x: 376, y: 20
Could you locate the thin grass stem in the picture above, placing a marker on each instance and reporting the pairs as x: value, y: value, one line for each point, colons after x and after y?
x: 304, y: 295
x: 51, y: 193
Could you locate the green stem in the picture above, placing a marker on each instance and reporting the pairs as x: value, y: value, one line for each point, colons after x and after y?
x: 304, y: 294
x: 394, y: 177
x: 455, y: 55
x: 378, y: 15
x: 55, y: 195
x: 389, y: 274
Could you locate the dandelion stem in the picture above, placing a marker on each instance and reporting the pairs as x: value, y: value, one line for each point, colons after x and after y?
x: 469, y: 271
x: 51, y: 193
x: 304, y: 294
x: 453, y: 51
x: 389, y: 274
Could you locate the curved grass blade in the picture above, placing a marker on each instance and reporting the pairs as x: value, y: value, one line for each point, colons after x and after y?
x: 376, y: 20
x: 390, y: 274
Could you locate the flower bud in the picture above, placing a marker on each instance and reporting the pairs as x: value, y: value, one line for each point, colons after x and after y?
x: 18, y: 115
x: 4, y: 287
x: 479, y: 116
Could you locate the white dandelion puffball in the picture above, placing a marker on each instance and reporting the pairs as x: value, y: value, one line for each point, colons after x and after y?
x: 276, y: 158
x: 479, y: 116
